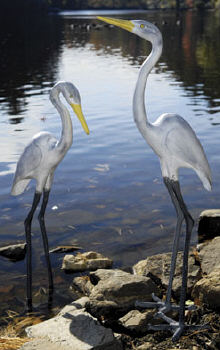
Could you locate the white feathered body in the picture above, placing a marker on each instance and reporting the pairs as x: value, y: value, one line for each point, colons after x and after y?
x: 177, y: 146
x: 38, y: 161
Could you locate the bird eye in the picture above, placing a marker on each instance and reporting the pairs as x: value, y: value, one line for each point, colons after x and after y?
x: 142, y: 25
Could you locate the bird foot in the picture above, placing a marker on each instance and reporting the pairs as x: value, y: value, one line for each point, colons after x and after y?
x: 163, y: 306
x: 176, y: 328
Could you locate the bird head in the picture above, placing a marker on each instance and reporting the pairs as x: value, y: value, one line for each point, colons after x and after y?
x: 144, y: 29
x: 72, y: 96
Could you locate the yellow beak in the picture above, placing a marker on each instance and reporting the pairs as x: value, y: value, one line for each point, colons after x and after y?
x: 78, y: 110
x: 127, y: 25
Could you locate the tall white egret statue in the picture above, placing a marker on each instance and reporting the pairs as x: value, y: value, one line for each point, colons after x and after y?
x: 176, y: 145
x: 39, y: 161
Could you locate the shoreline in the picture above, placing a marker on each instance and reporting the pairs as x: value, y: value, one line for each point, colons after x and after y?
x: 106, y: 303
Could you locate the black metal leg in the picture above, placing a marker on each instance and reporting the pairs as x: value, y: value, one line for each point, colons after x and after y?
x: 179, y: 327
x: 189, y: 226
x: 45, y: 241
x: 158, y: 303
x: 27, y: 225
x: 182, y: 213
x: 180, y: 218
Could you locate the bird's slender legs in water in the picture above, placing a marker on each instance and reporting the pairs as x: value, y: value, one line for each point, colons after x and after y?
x: 27, y: 225
x: 45, y: 243
x: 182, y: 213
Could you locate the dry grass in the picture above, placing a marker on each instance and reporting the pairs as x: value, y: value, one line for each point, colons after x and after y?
x: 12, y: 336
x: 12, y: 343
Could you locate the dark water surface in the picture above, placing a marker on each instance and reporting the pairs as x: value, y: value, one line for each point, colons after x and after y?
x: 108, y: 193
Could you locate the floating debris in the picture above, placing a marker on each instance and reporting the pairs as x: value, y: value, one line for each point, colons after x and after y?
x: 102, y: 167
x: 55, y: 207
x: 65, y: 249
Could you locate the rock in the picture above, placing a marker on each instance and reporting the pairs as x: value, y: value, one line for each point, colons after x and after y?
x: 209, y: 224
x: 74, y: 328
x: 40, y: 344
x: 117, y: 291
x: 207, y: 290
x: 82, y: 284
x: 136, y: 321
x: 209, y: 255
x: 14, y: 252
x: 86, y: 261
x: 65, y: 249
x: 158, y: 268
x: 102, y: 275
x: 75, y: 305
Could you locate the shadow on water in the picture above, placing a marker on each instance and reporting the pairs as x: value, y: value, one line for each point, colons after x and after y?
x: 114, y: 202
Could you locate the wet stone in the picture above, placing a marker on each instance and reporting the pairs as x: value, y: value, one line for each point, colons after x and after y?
x: 86, y: 261
x: 14, y: 252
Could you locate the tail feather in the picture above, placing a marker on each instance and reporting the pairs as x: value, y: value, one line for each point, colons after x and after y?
x: 19, y: 187
x: 206, y: 179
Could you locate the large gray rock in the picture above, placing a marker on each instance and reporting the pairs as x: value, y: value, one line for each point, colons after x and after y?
x: 207, y: 290
x: 158, y: 268
x: 209, y: 255
x: 86, y: 261
x: 116, y: 292
x: 14, y: 252
x: 74, y: 328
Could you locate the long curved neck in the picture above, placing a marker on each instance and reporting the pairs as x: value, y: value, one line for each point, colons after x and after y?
x: 139, y: 110
x: 66, y: 138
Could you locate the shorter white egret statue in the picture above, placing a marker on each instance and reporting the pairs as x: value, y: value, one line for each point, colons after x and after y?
x: 177, y: 146
x: 39, y: 161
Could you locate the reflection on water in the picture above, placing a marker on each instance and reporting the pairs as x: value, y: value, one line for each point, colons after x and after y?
x: 92, y: 13
x: 108, y: 193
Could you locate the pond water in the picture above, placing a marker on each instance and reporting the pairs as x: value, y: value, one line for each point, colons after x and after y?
x: 108, y: 194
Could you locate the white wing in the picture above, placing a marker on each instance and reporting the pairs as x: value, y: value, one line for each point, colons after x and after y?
x: 185, y: 147
x: 28, y: 162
